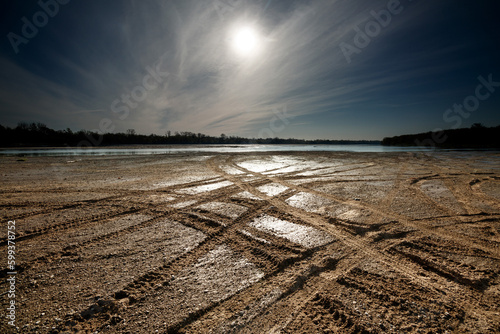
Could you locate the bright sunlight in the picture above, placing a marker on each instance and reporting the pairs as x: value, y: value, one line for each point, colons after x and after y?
x: 245, y: 41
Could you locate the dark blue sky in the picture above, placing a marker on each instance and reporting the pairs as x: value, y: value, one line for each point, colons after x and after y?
x: 346, y: 69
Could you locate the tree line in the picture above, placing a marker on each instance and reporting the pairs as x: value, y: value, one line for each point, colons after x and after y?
x: 477, y: 136
x: 39, y: 135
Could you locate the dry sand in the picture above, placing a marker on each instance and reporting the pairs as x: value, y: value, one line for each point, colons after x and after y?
x: 254, y: 243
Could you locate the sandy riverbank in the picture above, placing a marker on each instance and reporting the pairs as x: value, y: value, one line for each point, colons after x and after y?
x: 259, y: 242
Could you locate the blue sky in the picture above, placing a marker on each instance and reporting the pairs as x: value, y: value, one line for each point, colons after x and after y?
x: 172, y: 65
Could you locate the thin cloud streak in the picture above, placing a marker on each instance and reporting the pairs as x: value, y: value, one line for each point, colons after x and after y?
x: 208, y: 88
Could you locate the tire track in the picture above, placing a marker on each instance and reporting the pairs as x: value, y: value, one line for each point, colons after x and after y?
x: 378, y: 211
x: 404, y: 267
x: 308, y: 290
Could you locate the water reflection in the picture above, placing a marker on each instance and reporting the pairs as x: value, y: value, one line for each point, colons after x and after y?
x: 209, y: 148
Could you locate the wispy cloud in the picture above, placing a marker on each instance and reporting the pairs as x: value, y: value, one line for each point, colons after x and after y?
x: 208, y: 88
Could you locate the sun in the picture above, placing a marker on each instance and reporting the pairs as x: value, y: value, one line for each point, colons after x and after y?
x: 245, y: 41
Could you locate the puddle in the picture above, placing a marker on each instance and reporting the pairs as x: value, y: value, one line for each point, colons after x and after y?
x: 306, y: 236
x: 259, y: 166
x: 272, y: 189
x: 275, y: 165
x: 205, y: 188
x: 225, y: 209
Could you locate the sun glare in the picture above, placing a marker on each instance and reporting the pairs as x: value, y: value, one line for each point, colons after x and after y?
x: 245, y: 41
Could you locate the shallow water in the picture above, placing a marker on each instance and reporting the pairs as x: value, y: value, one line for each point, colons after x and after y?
x: 272, y: 189
x: 205, y: 188
x: 208, y: 148
x: 306, y: 236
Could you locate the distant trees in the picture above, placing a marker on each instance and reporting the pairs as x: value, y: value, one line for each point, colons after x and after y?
x: 477, y: 136
x: 39, y: 135
x: 477, y: 126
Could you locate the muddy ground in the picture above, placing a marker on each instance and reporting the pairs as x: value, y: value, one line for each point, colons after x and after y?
x: 254, y: 243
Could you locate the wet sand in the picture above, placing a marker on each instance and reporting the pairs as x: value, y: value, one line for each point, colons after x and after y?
x: 317, y: 242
